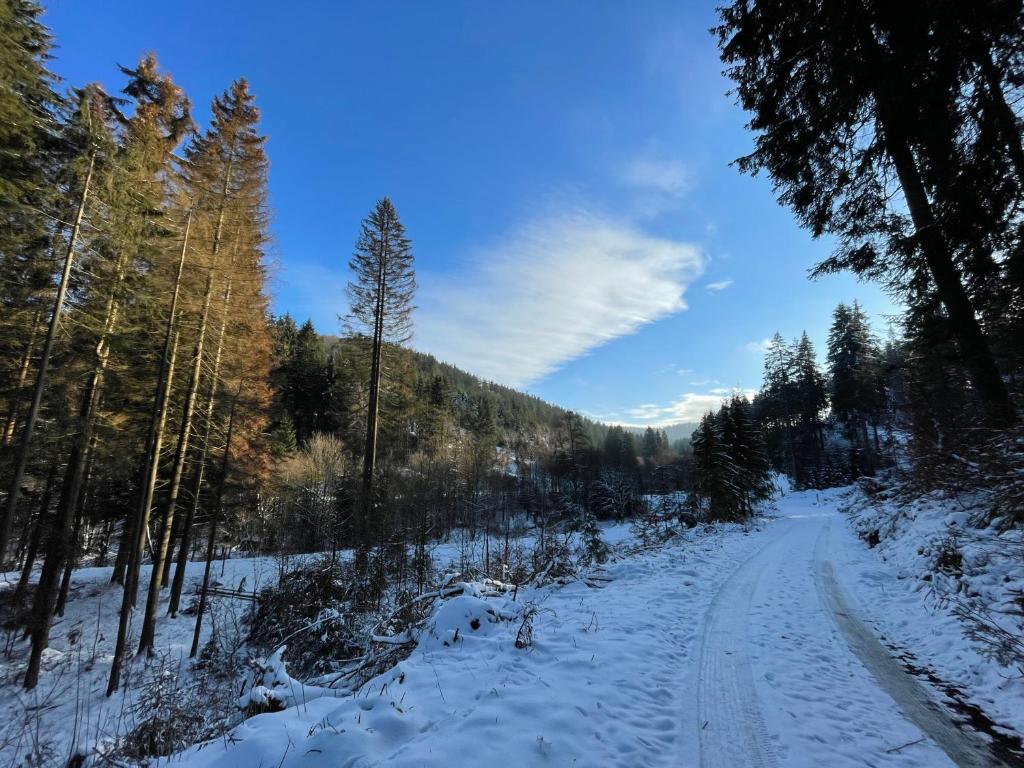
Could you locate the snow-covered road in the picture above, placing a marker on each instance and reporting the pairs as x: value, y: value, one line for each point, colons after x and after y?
x: 737, y: 647
x: 789, y: 673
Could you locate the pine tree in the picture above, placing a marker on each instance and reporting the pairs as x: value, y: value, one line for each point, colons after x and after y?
x: 846, y: 98
x: 811, y: 397
x: 226, y: 176
x: 746, y: 449
x: 434, y: 421
x: 855, y: 377
x: 571, y: 447
x: 776, y: 405
x: 133, y: 185
x: 33, y: 150
x: 82, y: 186
x: 380, y: 310
x: 716, y: 490
x: 811, y: 391
x: 483, y: 433
x: 307, y: 386
x: 649, y: 444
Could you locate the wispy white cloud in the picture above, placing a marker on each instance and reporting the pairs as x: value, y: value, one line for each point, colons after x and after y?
x: 674, y: 368
x: 716, y: 287
x: 688, y: 407
x: 666, y: 176
x: 759, y: 346
x: 656, y: 181
x: 550, y: 292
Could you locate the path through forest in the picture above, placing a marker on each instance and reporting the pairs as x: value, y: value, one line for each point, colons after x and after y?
x: 788, y: 668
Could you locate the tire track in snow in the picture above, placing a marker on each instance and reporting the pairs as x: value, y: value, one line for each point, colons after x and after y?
x: 731, y: 728
x: 965, y: 749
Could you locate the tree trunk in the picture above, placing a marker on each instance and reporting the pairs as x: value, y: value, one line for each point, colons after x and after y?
x: 60, y: 549
x: 124, y: 548
x: 212, y: 537
x: 26, y: 364
x: 370, y: 451
x: 1004, y: 113
x: 186, y: 533
x: 791, y: 448
x: 136, y: 535
x: 133, y: 537
x: 963, y: 322
x: 14, y: 492
x: 155, y: 436
x: 69, y: 566
x: 165, y: 572
x: 76, y: 533
x: 178, y: 466
x: 60, y: 544
x: 35, y: 538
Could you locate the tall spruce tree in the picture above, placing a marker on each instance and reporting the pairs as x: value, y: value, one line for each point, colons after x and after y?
x: 845, y: 101
x: 82, y: 185
x: 380, y: 297
x: 226, y: 176
x: 746, y: 449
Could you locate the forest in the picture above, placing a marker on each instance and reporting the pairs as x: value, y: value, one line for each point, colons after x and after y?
x: 156, y: 413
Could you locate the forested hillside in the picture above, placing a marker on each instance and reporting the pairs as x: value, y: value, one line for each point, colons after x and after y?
x: 518, y: 414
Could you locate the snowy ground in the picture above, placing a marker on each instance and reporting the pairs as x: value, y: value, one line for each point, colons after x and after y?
x: 764, y: 646
x: 69, y: 706
x: 912, y: 601
x: 736, y: 648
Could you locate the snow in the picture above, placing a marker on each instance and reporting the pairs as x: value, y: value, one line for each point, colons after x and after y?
x: 911, y: 606
x: 600, y: 684
x: 724, y: 647
x: 68, y: 711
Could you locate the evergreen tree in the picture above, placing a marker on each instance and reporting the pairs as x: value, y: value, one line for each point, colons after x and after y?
x: 133, y: 188
x: 855, y: 375
x: 776, y: 405
x: 307, y: 385
x: 811, y: 391
x: 790, y: 407
x: 226, y: 176
x: 33, y: 149
x: 619, y: 449
x: 572, y: 445
x: 847, y: 98
x: 746, y: 449
x: 380, y: 309
x: 716, y: 490
x: 483, y: 441
x: 649, y: 444
x: 435, y: 417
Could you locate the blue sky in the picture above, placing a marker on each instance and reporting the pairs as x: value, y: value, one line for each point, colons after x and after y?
x: 562, y: 169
